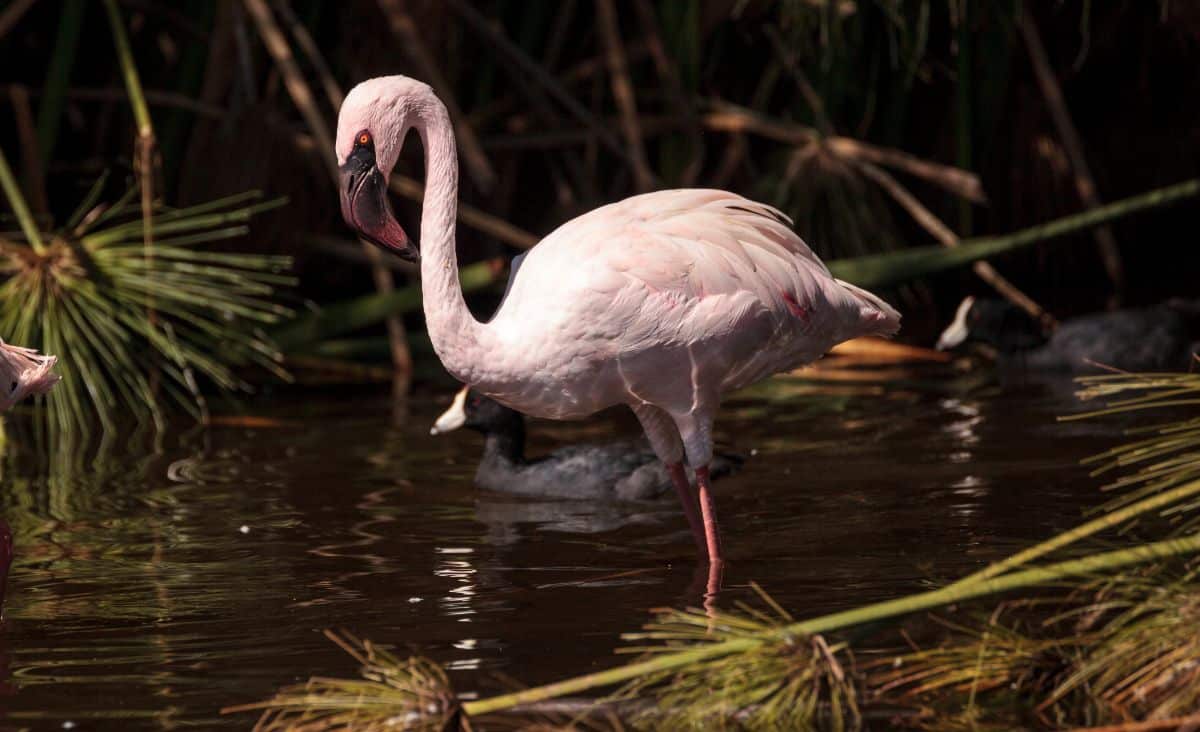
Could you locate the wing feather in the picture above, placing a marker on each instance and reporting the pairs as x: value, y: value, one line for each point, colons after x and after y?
x: 693, y: 267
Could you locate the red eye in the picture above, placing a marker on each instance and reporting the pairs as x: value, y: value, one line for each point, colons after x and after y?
x: 364, y: 138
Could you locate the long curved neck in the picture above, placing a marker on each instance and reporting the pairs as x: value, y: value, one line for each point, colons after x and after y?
x: 455, y: 333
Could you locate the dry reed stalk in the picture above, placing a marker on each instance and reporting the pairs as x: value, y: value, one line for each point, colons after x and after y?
x: 405, y: 30
x: 880, y: 349
x: 726, y: 117
x: 806, y: 88
x: 302, y: 97
x: 413, y: 190
x: 305, y: 40
x: 525, y: 65
x: 12, y: 14
x: 669, y: 76
x: 321, y: 370
x: 854, y: 372
x: 145, y: 157
x: 558, y: 33
x: 962, y: 183
x: 588, y: 68
x: 469, y: 215
x: 31, y: 163
x: 622, y: 89
x: 1085, y: 185
x: 946, y: 237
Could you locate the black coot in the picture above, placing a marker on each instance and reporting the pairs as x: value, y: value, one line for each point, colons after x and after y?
x: 622, y: 470
x: 1159, y: 338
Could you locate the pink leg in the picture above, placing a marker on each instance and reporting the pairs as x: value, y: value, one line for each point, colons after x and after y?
x: 684, y: 490
x: 712, y: 536
x: 708, y: 509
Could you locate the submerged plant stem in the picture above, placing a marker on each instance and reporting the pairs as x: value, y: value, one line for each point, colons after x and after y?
x: 825, y: 623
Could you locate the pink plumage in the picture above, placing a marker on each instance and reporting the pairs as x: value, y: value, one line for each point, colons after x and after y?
x: 662, y: 301
x: 23, y: 372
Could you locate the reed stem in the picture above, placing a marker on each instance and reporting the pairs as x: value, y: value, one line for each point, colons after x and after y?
x: 145, y: 146
x: 133, y: 84
x: 19, y: 207
x: 882, y: 270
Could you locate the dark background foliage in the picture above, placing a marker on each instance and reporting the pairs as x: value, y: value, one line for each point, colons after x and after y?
x: 949, y: 82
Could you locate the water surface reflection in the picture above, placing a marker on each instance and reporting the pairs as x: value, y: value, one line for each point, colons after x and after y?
x: 151, y: 588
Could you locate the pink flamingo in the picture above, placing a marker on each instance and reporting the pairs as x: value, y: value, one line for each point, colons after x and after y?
x: 23, y: 372
x: 661, y: 302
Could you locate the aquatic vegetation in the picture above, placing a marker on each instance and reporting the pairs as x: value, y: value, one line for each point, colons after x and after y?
x: 1165, y: 455
x: 797, y: 682
x: 997, y: 657
x: 126, y: 314
x: 1121, y: 647
x: 129, y: 295
x: 394, y: 693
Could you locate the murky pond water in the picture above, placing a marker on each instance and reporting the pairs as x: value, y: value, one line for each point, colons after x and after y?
x: 149, y: 591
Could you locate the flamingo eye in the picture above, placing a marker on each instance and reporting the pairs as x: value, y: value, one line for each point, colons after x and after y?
x: 364, y: 138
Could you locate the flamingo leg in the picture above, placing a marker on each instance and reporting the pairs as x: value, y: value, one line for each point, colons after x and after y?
x: 664, y: 437
x: 686, y: 499
x: 712, y: 537
x: 708, y: 510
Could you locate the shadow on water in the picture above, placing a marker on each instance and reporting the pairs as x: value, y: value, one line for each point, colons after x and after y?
x: 159, y: 585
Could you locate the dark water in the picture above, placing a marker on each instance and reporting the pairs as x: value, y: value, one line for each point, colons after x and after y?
x: 150, y: 591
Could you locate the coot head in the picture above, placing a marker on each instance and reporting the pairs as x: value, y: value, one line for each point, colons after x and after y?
x: 475, y: 411
x: 997, y: 323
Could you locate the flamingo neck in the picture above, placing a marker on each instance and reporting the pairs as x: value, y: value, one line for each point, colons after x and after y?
x: 453, y: 330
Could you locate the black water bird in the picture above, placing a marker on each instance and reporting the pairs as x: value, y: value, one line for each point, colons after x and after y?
x: 1162, y: 337
x: 626, y: 470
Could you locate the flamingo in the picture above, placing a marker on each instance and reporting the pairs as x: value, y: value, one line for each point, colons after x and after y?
x: 662, y: 302
x: 23, y: 372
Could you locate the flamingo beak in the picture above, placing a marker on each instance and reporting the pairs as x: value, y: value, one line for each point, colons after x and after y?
x: 365, y: 206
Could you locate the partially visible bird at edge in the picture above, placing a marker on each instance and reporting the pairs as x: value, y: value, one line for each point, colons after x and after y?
x: 24, y: 372
x: 662, y: 302
x: 1162, y: 337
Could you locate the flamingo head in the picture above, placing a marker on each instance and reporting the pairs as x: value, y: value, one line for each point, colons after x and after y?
x: 372, y: 124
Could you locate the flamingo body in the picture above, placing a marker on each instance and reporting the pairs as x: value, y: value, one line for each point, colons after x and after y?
x: 705, y: 280
x: 661, y: 301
